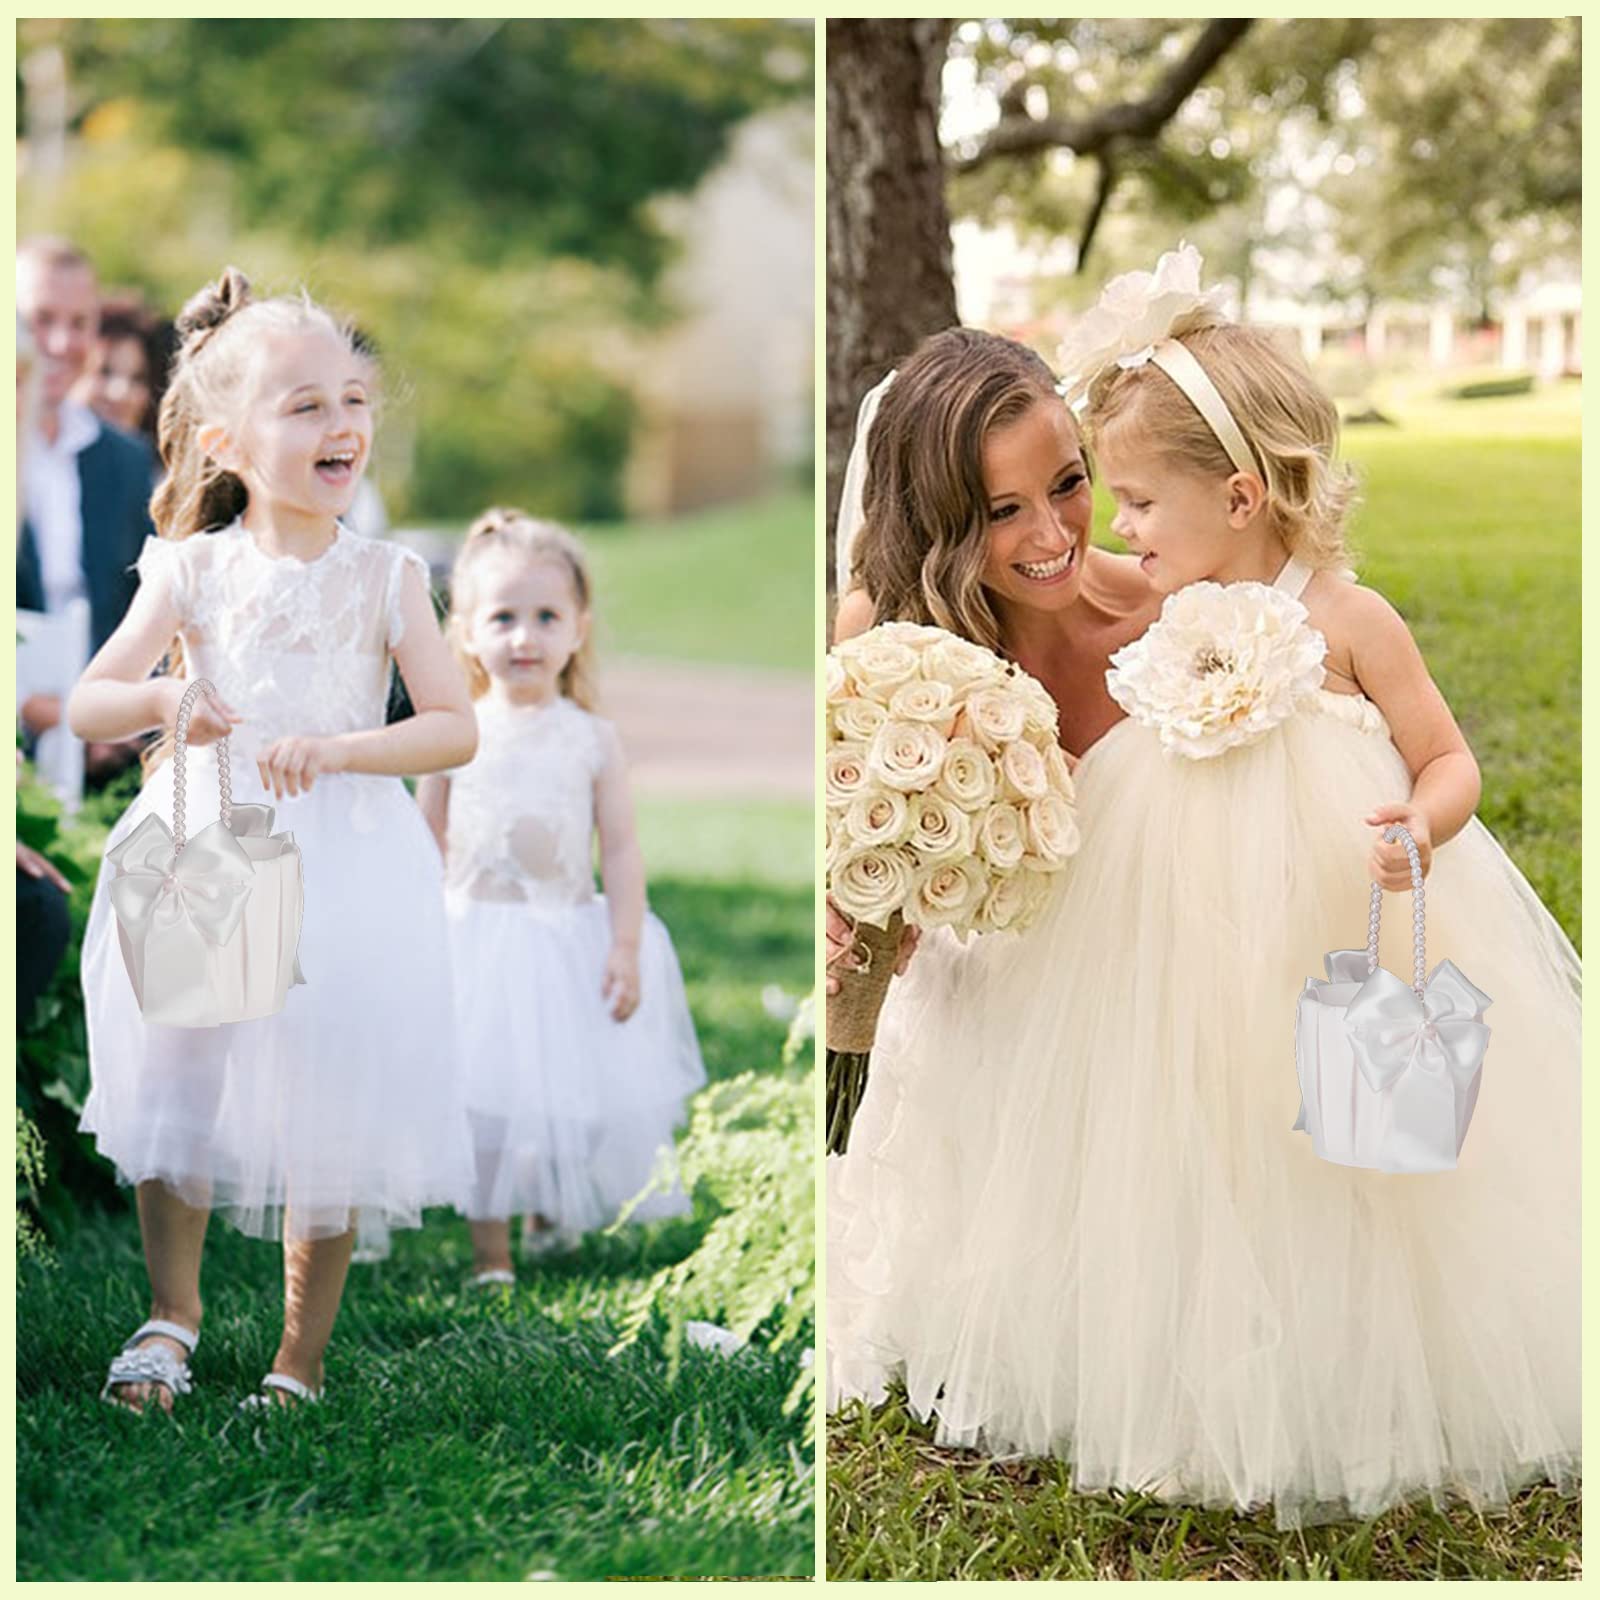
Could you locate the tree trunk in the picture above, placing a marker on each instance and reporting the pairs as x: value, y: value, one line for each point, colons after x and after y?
x: 890, y: 281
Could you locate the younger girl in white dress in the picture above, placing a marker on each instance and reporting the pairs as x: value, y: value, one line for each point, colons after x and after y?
x: 575, y: 1046
x: 1157, y: 1278
x: 333, y: 1112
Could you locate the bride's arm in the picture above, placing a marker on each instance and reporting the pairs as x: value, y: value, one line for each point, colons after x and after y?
x: 853, y: 616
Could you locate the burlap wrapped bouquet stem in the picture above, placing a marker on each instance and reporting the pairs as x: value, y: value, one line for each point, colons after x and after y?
x: 853, y: 1022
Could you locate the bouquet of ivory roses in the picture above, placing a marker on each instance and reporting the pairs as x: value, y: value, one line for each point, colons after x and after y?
x: 949, y: 805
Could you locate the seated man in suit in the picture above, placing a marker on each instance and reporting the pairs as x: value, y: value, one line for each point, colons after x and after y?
x: 86, y: 486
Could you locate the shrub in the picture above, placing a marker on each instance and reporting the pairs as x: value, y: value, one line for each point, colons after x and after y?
x: 749, y: 1153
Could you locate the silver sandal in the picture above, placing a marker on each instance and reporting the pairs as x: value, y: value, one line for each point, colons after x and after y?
x: 138, y: 1362
x: 280, y: 1380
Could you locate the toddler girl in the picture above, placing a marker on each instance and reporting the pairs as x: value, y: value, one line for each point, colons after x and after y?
x: 574, y: 1041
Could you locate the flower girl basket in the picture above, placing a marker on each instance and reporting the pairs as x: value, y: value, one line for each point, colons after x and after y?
x: 209, y: 926
x: 1389, y: 1074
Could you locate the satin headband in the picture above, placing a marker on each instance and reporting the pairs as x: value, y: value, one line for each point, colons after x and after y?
x: 1179, y: 364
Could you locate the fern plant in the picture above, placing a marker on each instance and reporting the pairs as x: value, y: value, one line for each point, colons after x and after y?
x: 750, y: 1153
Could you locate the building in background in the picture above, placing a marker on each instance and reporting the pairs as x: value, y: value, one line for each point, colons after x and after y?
x: 725, y: 392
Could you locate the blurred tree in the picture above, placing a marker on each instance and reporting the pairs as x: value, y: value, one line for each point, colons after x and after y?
x: 507, y: 135
x: 478, y: 193
x: 1459, y: 158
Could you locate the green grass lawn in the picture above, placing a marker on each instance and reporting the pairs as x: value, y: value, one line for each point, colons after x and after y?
x: 466, y: 1437
x: 1470, y: 525
x: 731, y: 586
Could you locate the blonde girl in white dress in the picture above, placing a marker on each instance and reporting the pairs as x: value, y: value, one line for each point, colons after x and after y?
x: 335, y: 1112
x: 575, y: 1046
x: 1150, y: 1272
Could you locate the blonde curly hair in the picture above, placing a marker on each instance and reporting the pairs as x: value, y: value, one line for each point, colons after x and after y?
x: 1290, y: 424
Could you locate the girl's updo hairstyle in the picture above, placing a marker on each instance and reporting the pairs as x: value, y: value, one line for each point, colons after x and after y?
x: 922, y: 546
x: 505, y: 530
x: 218, y: 333
x: 1288, y: 422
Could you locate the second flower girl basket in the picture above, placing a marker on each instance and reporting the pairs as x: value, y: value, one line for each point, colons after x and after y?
x: 209, y: 926
x: 1389, y: 1072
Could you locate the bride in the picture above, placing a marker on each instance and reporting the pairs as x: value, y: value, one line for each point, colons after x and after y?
x: 1074, y: 1218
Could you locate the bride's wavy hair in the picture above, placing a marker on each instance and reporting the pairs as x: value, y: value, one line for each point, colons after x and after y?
x: 219, y: 334
x: 925, y: 509
x: 506, y: 530
x: 1290, y: 424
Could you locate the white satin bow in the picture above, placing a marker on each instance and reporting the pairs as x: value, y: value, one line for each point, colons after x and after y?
x: 1422, y: 1052
x: 1391, y: 1028
x: 204, y: 884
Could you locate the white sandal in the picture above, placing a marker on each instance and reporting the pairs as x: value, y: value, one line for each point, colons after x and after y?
x: 280, y: 1380
x: 138, y: 1362
x: 494, y: 1278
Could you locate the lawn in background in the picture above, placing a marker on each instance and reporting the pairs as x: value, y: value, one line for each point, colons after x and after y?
x: 731, y: 586
x: 1470, y: 525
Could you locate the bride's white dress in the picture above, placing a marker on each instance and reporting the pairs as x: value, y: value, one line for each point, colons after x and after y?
x: 344, y: 1104
x: 1076, y: 1220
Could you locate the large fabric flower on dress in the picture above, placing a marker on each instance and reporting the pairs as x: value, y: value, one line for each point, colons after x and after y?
x: 1134, y: 313
x: 1222, y: 666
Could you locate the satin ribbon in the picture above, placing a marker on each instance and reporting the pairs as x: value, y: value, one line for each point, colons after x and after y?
x: 171, y: 908
x: 1423, y: 1051
x: 205, y: 884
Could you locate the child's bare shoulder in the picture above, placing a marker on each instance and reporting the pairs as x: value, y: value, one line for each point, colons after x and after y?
x: 1356, y: 620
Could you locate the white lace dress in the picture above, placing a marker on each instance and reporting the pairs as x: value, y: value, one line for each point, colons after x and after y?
x: 570, y: 1109
x: 343, y: 1102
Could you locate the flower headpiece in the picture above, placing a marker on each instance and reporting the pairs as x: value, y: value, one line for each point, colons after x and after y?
x: 1132, y: 323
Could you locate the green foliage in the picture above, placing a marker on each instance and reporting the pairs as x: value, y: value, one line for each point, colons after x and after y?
x: 477, y: 193
x: 750, y: 1153
x: 31, y: 1244
x: 1493, y: 388
x: 1444, y: 154
x: 52, y: 1045
x: 508, y: 137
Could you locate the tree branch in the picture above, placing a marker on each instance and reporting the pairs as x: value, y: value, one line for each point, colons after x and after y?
x: 1107, y: 181
x: 1133, y: 119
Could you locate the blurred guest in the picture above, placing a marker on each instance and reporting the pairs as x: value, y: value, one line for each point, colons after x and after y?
x: 85, y: 487
x: 43, y: 925
x: 127, y: 372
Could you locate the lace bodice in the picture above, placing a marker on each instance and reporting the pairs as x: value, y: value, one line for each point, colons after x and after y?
x: 296, y: 647
x: 522, y: 815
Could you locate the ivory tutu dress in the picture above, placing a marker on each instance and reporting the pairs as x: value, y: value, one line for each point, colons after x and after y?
x: 1075, y: 1214
x: 570, y: 1109
x: 339, y: 1107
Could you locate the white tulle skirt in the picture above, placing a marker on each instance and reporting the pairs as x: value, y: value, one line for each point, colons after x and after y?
x: 1074, y: 1217
x: 571, y: 1110
x: 342, y: 1107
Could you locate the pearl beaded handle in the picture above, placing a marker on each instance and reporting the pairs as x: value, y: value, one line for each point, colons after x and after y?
x: 1398, y: 830
x: 224, y: 777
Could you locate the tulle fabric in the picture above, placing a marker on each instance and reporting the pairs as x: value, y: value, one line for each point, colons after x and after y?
x: 1075, y: 1219
x: 340, y: 1109
x: 571, y: 1110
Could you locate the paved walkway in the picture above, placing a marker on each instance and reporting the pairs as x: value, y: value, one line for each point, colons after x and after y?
x: 713, y: 730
